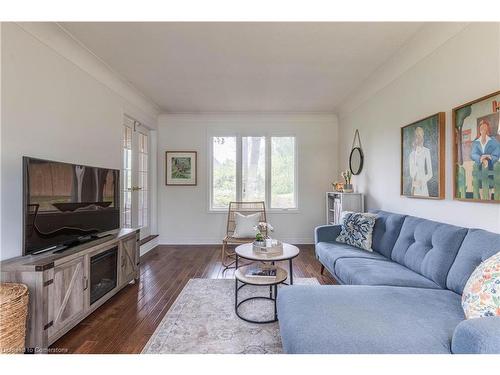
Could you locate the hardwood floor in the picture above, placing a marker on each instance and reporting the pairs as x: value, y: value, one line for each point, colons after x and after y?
x: 125, y: 323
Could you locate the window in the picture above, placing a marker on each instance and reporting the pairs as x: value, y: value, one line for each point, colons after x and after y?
x: 253, y: 165
x: 223, y: 171
x: 253, y: 168
x: 283, y: 172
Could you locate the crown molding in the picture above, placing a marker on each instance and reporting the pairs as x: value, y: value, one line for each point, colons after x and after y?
x: 427, y: 39
x: 67, y: 46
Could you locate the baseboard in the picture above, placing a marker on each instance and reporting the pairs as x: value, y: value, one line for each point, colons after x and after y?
x: 148, y: 246
x: 162, y: 240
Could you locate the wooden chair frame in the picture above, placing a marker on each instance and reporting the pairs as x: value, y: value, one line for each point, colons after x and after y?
x: 244, y: 208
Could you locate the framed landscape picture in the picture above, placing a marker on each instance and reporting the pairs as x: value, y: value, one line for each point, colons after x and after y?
x: 422, y: 158
x: 181, y: 168
x: 476, y: 150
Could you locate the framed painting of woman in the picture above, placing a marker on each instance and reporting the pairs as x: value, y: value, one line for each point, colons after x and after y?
x: 476, y: 150
x: 422, y: 158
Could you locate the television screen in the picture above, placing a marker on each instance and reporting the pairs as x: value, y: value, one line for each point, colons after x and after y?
x: 64, y: 203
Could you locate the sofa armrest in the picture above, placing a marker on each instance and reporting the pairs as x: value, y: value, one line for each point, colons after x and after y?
x: 326, y: 233
x: 477, y: 336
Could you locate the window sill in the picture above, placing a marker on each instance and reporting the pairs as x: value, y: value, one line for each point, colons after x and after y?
x: 271, y: 211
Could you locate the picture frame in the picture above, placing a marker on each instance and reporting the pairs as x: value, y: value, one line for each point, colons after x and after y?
x: 181, y: 168
x: 423, y: 146
x: 476, y: 150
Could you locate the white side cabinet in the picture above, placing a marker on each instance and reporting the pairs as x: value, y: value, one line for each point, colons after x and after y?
x: 337, y: 202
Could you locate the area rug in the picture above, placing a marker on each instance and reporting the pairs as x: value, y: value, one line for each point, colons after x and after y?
x: 202, y: 320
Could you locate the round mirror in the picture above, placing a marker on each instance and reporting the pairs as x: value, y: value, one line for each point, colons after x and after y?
x: 356, y: 161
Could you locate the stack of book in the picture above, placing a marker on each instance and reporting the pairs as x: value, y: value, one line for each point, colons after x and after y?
x: 261, y: 272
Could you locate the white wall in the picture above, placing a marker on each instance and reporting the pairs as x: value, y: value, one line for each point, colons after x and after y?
x: 183, y: 211
x: 463, y: 64
x: 58, y: 102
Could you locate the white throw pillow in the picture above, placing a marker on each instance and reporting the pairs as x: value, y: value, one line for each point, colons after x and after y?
x: 245, y: 224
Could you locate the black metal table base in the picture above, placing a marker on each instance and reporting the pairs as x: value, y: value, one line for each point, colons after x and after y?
x: 270, y: 298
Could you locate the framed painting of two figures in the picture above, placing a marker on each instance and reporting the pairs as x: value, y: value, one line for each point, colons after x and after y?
x: 476, y: 153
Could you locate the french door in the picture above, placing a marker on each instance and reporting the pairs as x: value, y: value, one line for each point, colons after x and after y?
x: 135, y: 176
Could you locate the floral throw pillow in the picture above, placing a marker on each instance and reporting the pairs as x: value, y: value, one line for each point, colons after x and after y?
x: 481, y: 296
x: 357, y: 229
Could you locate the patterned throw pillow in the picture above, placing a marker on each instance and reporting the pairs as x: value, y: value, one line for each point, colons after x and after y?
x: 481, y: 296
x: 357, y: 229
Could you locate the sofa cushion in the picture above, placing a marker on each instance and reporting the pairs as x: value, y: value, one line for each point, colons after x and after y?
x: 428, y: 247
x: 386, y: 231
x: 477, y: 246
x: 359, y: 271
x: 361, y: 319
x: 328, y: 253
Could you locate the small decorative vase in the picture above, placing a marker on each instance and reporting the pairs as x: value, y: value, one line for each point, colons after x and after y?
x: 348, y: 188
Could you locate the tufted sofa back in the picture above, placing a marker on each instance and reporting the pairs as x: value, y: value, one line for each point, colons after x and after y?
x: 428, y: 247
x: 386, y: 231
x: 477, y: 246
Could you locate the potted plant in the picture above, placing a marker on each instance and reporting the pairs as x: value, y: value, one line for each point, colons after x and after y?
x: 262, y: 227
x: 347, y: 175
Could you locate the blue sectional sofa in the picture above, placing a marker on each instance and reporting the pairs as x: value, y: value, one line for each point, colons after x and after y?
x: 404, y: 297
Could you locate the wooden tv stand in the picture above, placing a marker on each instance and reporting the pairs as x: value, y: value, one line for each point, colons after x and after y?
x: 59, y: 284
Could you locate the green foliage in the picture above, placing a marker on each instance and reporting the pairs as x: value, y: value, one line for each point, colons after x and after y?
x: 282, y: 170
x: 224, y: 183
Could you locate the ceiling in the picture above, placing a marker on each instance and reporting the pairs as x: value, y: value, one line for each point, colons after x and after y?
x: 244, y: 67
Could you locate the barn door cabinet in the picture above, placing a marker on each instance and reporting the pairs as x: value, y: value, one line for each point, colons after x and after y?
x: 129, y: 260
x: 67, y: 296
x: 60, y: 284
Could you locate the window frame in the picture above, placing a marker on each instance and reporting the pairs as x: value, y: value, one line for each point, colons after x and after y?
x: 239, y: 170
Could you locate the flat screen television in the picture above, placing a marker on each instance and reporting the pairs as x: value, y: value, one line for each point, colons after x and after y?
x: 67, y: 204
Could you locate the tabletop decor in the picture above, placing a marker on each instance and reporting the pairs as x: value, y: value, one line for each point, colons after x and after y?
x: 347, y: 175
x: 265, y: 244
x: 422, y: 158
x: 476, y: 150
x: 180, y: 168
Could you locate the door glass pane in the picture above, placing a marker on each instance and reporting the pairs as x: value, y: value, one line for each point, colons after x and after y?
x: 127, y: 177
x: 253, y: 157
x: 143, y: 192
x: 224, y: 171
x: 283, y: 172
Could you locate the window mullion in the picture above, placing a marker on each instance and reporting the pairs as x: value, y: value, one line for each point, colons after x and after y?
x: 268, y: 172
x: 239, y: 182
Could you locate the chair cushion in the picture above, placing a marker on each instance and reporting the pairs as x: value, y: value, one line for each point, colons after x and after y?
x: 386, y: 231
x: 481, y: 297
x: 428, y: 247
x: 329, y: 252
x: 361, y: 319
x: 477, y: 246
x: 359, y: 271
x: 357, y: 228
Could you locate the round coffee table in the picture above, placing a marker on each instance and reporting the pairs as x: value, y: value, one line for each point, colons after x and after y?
x: 290, y: 252
x: 245, y: 251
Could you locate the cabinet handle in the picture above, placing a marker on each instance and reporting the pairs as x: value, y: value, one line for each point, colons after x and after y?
x: 123, y: 261
x: 85, y: 283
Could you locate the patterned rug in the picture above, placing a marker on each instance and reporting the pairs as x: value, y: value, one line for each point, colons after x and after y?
x: 202, y: 320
